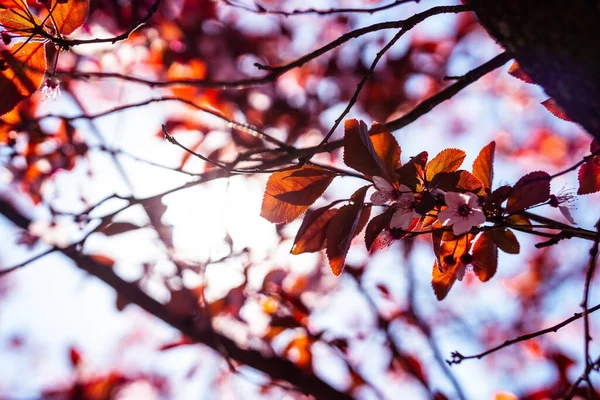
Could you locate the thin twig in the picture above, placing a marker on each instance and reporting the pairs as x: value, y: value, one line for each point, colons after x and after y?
x: 457, y: 358
x: 68, y: 43
x: 27, y: 262
x: 260, y: 9
x: 274, y: 72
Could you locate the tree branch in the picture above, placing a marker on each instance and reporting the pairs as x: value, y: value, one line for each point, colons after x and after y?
x: 275, y: 72
x: 277, y: 368
x: 260, y: 9
x: 457, y: 358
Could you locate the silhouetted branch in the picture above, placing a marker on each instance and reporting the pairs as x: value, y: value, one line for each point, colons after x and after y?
x: 260, y: 9
x: 275, y: 72
x: 26, y: 262
x: 275, y: 367
x: 68, y: 43
x: 457, y: 358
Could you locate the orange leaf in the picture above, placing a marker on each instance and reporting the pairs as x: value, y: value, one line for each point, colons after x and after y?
x: 299, y: 351
x: 342, y: 229
x: 19, y: 21
x: 589, y: 176
x: 24, y: 74
x: 555, y: 109
x: 374, y: 153
x: 506, y: 241
x: 448, y: 262
x: 442, y: 281
x: 532, y: 189
x: 103, y: 260
x: 516, y: 71
x: 312, y: 233
x: 518, y: 220
x: 69, y: 15
x: 448, y: 160
x: 291, y: 191
x: 485, y: 257
x: 483, y: 166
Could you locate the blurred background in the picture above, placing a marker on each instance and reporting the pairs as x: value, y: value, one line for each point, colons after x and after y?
x: 377, y: 331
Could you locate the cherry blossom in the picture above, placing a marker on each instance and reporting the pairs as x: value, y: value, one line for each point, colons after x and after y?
x: 51, y: 89
x: 385, y: 192
x: 563, y: 201
x: 463, y: 212
x: 405, y: 210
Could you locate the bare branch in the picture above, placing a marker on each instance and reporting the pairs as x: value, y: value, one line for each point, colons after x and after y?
x: 260, y: 9
x: 275, y: 72
x: 275, y: 367
x: 457, y: 358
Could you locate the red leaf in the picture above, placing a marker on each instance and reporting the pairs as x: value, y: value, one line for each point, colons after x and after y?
x: 312, y: 233
x: 290, y: 192
x: 457, y: 181
x: 413, y: 172
x: 75, y: 357
x: 483, y: 166
x: 485, y: 257
x: 589, y: 176
x: 374, y: 153
x: 23, y: 75
x: 516, y: 71
x: 506, y: 241
x: 67, y: 16
x: 342, y: 229
x: 364, y: 218
x: 376, y: 225
x: 532, y: 189
x: 555, y: 109
x: 448, y: 160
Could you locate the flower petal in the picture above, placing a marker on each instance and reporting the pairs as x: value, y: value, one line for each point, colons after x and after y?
x: 407, y: 200
x: 405, y: 189
x: 381, y: 184
x: 461, y: 225
x: 380, y: 198
x: 454, y: 200
x: 401, y: 219
x: 477, y: 217
x: 471, y: 199
x: 445, y: 216
x: 567, y: 214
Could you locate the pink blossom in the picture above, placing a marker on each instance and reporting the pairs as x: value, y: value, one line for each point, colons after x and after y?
x: 385, y: 192
x: 463, y: 212
x: 51, y: 89
x: 563, y: 201
x: 405, y: 210
x: 566, y: 212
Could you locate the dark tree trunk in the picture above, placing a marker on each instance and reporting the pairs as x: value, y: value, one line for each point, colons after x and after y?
x: 557, y: 43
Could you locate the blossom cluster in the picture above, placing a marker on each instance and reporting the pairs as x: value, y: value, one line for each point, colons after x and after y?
x: 463, y: 211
